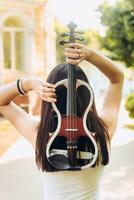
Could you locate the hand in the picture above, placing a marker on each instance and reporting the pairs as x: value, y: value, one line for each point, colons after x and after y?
x: 45, y: 90
x: 76, y: 53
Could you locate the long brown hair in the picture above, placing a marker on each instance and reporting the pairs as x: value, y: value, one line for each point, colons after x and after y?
x: 94, y: 122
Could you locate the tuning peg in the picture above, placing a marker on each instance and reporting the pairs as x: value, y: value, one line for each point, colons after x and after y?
x: 80, y: 32
x: 79, y: 38
x: 62, y: 42
x: 64, y: 34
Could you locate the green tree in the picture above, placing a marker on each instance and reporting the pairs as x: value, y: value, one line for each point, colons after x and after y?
x: 59, y: 29
x: 129, y: 105
x: 119, y: 23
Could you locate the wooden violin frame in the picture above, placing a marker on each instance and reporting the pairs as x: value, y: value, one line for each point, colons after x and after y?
x: 80, y: 149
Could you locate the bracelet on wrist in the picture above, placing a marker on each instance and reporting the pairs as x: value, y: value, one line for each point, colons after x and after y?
x: 20, y: 88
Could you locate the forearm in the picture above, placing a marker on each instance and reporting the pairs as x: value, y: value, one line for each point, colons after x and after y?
x: 75, y: 53
x: 106, y: 66
x: 10, y: 91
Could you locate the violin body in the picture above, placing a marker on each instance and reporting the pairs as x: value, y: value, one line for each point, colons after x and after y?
x: 72, y: 146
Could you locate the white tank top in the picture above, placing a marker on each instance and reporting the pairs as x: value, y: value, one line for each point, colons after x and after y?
x: 73, y: 185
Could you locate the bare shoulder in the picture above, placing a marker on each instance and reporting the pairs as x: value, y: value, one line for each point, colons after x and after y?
x: 26, y: 124
x: 32, y: 130
x: 111, y: 106
x: 111, y: 126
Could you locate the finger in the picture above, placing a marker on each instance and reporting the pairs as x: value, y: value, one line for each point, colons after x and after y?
x: 75, y: 45
x: 47, y: 89
x: 72, y: 55
x: 72, y: 61
x: 47, y: 84
x: 70, y: 50
x: 51, y: 100
x: 49, y: 94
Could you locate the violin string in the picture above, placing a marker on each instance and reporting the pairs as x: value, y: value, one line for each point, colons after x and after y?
x: 67, y: 111
x: 72, y: 90
x: 74, y: 114
x: 74, y: 111
x: 71, y: 115
x: 67, y: 120
x: 76, y: 135
x: 67, y: 128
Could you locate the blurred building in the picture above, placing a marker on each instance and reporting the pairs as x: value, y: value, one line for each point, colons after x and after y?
x: 27, y: 40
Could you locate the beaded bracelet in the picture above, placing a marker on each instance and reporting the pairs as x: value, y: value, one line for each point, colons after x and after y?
x: 19, y: 86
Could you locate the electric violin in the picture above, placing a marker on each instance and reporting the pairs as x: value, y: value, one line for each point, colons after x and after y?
x: 72, y: 146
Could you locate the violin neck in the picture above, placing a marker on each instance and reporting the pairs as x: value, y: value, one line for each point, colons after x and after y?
x: 71, y: 91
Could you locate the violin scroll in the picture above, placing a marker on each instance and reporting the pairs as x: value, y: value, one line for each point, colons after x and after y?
x: 72, y: 35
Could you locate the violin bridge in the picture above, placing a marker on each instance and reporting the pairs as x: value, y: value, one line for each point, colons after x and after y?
x: 71, y: 129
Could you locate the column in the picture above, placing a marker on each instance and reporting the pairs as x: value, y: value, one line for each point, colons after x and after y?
x: 1, y: 57
x: 12, y: 51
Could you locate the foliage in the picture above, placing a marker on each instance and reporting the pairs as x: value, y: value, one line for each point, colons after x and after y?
x: 59, y: 29
x: 119, y: 25
x: 91, y: 39
x: 129, y: 105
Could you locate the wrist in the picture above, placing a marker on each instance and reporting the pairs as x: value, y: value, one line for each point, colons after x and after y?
x: 89, y: 54
x: 27, y: 84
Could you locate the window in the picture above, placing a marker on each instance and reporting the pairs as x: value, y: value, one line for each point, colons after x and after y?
x: 13, y: 40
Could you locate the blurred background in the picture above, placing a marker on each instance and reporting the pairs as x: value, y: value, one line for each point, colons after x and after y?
x: 29, y: 45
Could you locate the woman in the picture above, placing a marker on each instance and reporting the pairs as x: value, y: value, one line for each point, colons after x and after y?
x: 70, y: 185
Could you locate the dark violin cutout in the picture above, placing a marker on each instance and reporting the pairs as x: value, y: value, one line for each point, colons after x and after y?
x: 71, y: 144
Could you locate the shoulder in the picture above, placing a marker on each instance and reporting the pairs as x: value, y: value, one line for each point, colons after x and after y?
x: 36, y: 120
x: 32, y: 129
x: 111, y: 125
x: 109, y: 112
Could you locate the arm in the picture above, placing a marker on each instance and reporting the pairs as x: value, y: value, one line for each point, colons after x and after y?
x: 10, y: 91
x: 111, y: 103
x: 22, y: 121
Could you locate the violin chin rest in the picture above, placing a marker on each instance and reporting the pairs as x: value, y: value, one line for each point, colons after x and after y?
x: 61, y: 162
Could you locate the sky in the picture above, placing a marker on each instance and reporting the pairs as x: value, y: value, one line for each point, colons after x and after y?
x: 82, y: 12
